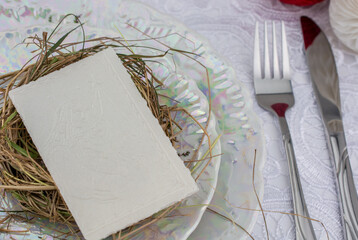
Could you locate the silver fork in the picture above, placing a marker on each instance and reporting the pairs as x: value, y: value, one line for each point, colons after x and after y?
x: 275, y: 94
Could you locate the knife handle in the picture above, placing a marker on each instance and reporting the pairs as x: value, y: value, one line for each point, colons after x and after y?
x: 346, y: 188
x: 304, y: 229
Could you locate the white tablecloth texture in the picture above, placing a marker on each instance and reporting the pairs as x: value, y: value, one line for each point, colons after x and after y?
x: 229, y: 26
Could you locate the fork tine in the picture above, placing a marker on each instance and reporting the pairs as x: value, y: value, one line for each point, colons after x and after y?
x: 285, y: 58
x: 276, y: 69
x: 267, y: 57
x: 257, y: 58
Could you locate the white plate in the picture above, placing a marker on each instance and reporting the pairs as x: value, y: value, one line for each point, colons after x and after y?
x: 178, y: 87
x: 240, y: 127
x: 232, y: 106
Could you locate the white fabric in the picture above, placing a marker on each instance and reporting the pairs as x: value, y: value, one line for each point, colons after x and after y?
x: 229, y: 25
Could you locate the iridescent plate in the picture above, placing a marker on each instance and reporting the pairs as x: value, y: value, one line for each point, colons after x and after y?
x: 178, y: 90
x: 232, y: 106
x: 184, y: 75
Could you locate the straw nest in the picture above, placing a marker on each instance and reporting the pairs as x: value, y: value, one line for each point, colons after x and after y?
x: 23, y: 173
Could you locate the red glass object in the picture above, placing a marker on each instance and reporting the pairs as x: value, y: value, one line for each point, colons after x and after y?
x: 302, y: 2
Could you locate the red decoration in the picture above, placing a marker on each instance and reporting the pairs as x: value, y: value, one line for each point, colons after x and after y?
x: 302, y: 2
x: 280, y: 109
x: 310, y: 31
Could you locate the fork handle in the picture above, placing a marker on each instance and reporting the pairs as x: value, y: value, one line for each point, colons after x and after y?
x: 346, y: 188
x: 304, y: 229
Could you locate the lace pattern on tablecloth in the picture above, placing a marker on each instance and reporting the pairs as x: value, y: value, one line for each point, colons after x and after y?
x: 229, y: 25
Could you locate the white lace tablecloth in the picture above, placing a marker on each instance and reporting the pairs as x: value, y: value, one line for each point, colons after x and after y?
x: 229, y: 25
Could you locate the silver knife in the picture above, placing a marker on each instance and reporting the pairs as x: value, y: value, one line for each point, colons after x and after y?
x: 324, y: 77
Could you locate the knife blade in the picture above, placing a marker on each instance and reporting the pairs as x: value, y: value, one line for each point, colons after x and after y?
x: 322, y: 67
